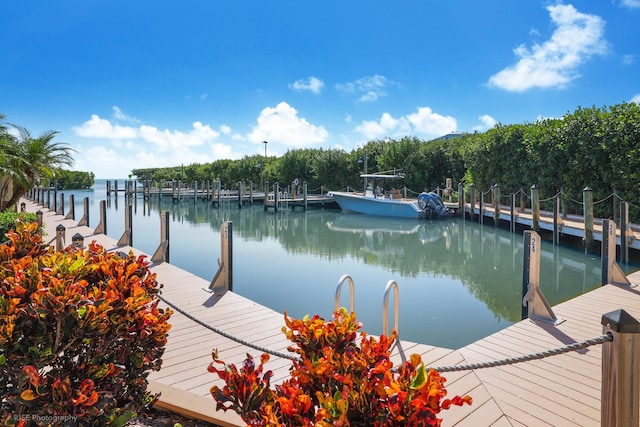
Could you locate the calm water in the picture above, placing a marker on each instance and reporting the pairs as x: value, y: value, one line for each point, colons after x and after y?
x: 459, y: 281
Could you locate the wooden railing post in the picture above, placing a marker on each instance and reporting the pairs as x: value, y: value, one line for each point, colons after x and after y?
x: 85, y: 218
x: 535, y: 207
x: 102, y: 225
x: 60, y: 210
x: 611, y: 271
x: 587, y: 205
x: 304, y: 189
x: 620, y: 390
x: 472, y: 209
x: 534, y: 304
x: 162, y: 253
x: 461, y: 199
x: 496, y: 203
x: 223, y: 280
x: 514, y: 215
x: 625, y: 232
x: 557, y: 221
x: 127, y: 236
x: 72, y: 208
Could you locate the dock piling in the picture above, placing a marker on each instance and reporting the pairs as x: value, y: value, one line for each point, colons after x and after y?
x: 223, y: 280
x: 620, y: 391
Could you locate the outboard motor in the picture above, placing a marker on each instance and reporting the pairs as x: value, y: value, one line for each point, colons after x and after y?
x: 432, y: 206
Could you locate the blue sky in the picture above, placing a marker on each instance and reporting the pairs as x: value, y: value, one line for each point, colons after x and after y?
x: 134, y: 84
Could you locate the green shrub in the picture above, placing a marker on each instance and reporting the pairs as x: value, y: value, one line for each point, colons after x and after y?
x: 80, y: 330
x: 8, y: 221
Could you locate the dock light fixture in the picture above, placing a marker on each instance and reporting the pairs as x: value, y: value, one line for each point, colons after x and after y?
x: 77, y: 241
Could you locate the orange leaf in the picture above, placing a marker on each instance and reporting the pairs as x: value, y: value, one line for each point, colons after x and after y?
x: 28, y: 395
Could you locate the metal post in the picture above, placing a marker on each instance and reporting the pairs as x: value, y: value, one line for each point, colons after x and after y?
x: 339, y: 291
x: 620, y: 390
x: 385, y: 308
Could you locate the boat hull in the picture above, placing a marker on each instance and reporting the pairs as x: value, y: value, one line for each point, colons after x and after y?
x: 357, y: 203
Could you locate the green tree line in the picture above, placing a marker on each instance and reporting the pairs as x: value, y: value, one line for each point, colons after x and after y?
x: 73, y: 180
x: 591, y: 147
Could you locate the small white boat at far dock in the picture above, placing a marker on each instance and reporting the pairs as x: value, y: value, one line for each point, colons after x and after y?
x: 376, y: 202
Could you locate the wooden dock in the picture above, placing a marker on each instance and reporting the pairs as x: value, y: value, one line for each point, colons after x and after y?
x: 562, y: 390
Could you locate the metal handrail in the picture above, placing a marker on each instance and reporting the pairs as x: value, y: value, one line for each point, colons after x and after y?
x: 351, y: 292
x: 385, y: 308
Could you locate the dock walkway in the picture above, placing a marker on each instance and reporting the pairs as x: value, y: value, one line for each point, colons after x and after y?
x: 562, y: 390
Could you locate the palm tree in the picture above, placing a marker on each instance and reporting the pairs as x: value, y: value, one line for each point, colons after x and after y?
x: 26, y: 161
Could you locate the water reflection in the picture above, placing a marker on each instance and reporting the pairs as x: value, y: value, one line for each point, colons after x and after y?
x: 459, y: 281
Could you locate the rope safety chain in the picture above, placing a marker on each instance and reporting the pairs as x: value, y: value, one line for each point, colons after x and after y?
x: 452, y: 368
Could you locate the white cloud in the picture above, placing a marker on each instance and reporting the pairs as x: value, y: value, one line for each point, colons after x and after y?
x: 162, y: 139
x: 554, y: 63
x: 433, y: 124
x: 102, y: 128
x: 636, y: 99
x: 386, y: 126
x: 312, y: 84
x: 114, y: 150
x: 166, y: 139
x: 283, y: 126
x: 119, y: 115
x: 631, y: 4
x: 369, y: 88
x: 424, y: 122
x: 487, y: 122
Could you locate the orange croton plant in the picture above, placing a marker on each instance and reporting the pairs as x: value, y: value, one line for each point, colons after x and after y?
x: 336, y: 380
x: 80, y: 331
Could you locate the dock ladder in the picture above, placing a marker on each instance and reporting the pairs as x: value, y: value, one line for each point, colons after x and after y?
x: 391, y: 285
